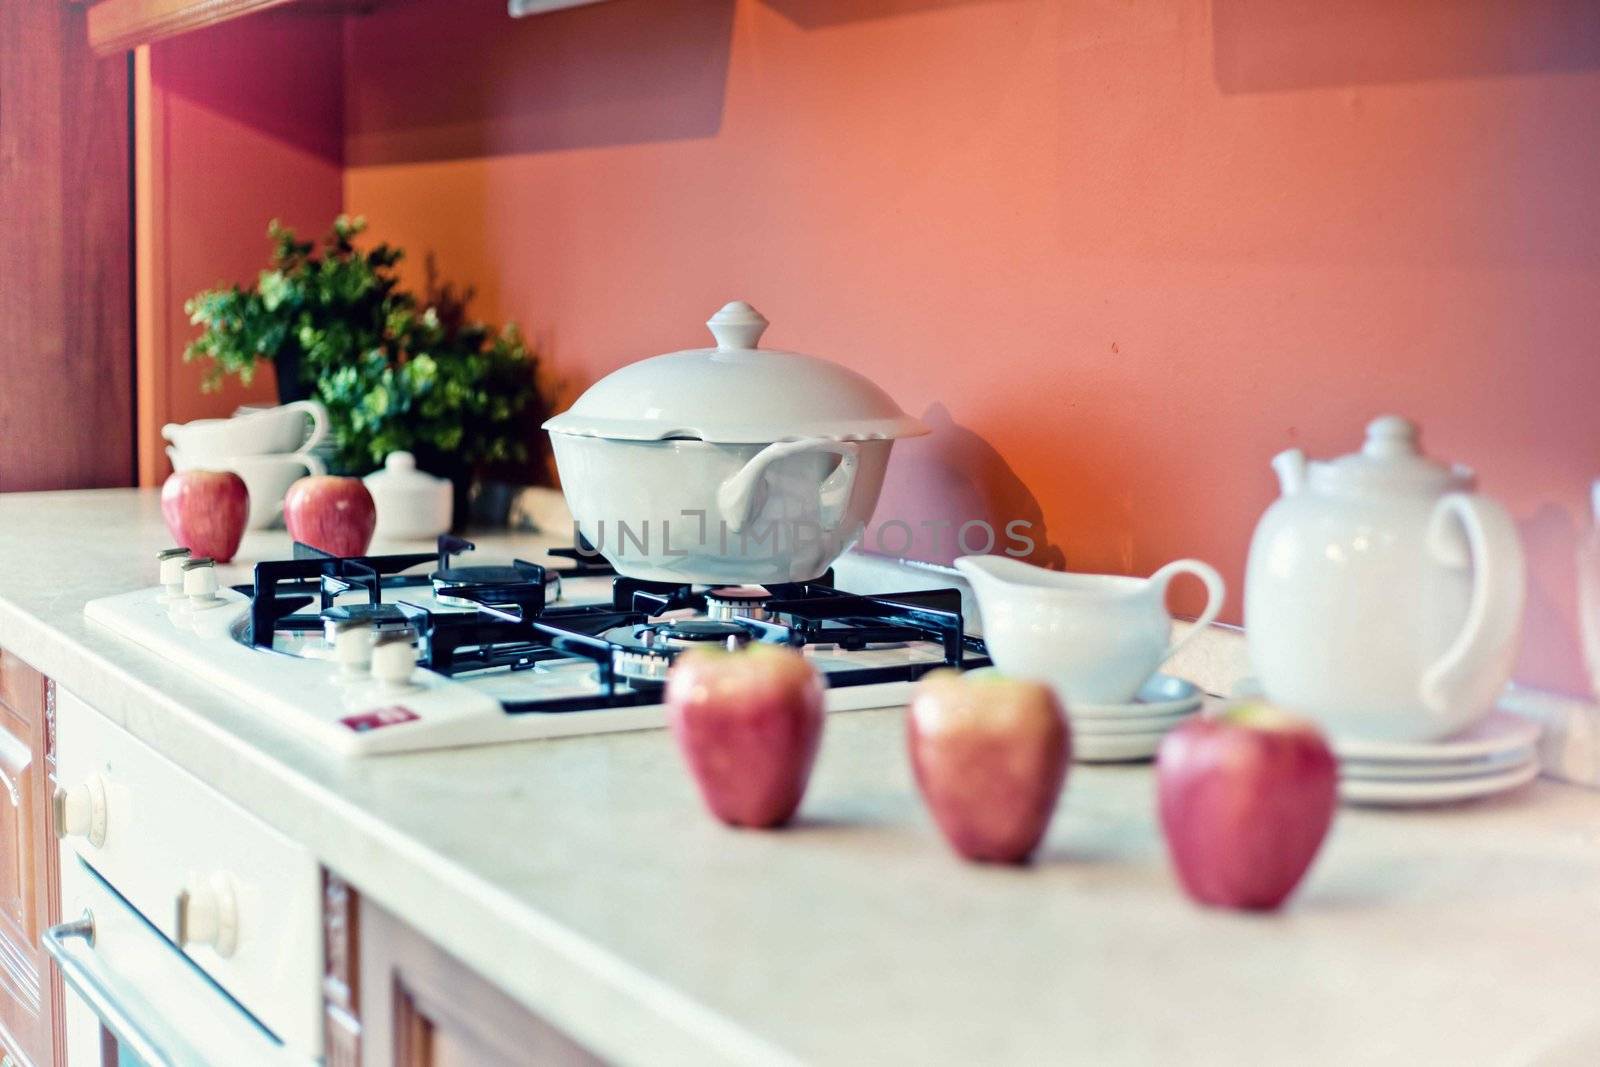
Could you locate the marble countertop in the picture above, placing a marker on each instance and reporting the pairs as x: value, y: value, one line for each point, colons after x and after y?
x: 582, y: 877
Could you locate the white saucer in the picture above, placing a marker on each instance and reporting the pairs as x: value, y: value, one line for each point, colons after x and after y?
x: 1413, y: 771
x: 1164, y: 696
x: 1114, y: 748
x: 1500, y: 734
x: 1127, y: 727
x: 1439, y: 791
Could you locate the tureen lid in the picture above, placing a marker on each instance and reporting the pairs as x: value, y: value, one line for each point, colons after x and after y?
x: 1389, y: 460
x: 735, y: 393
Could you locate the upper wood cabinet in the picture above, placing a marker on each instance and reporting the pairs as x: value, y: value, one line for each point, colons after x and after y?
x: 118, y: 25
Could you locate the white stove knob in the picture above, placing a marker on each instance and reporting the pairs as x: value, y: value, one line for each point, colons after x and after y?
x: 172, y: 560
x: 81, y: 811
x: 208, y: 914
x: 352, y: 647
x: 394, y: 658
x: 199, y: 580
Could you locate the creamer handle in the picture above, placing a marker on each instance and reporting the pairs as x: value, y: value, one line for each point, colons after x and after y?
x: 1494, y: 615
x: 1216, y: 593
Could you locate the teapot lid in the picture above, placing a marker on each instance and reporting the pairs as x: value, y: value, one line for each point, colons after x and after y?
x: 735, y: 393
x: 1389, y: 460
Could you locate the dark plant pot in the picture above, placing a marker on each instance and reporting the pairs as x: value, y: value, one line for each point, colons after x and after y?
x: 290, y: 385
x: 460, y: 502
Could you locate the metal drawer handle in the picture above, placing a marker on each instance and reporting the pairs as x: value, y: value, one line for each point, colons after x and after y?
x: 86, y: 980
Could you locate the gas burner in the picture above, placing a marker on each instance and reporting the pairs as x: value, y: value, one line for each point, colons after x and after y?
x: 644, y: 653
x: 694, y: 631
x: 380, y: 616
x: 518, y: 582
x: 737, y: 602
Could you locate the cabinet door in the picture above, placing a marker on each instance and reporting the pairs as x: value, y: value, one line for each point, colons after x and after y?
x: 30, y: 994
x: 396, y: 1000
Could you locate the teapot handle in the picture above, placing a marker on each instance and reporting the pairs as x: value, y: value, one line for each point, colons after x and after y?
x: 1216, y: 592
x: 1494, y: 615
x: 737, y: 497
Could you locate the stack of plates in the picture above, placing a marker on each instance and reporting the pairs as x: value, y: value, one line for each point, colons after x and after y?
x: 1110, y: 733
x: 1497, y: 755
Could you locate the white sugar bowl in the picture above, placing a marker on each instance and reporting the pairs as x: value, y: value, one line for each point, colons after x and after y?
x: 412, y: 505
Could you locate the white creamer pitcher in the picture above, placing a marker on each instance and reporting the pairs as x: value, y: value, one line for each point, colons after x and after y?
x: 1095, y: 637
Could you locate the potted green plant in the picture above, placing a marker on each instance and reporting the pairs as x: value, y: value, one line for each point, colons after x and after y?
x: 396, y: 371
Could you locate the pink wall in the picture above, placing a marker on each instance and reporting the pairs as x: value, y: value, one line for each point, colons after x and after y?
x: 246, y: 125
x: 1117, y: 254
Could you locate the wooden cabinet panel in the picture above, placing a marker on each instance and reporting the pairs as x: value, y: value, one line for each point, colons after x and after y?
x: 66, y: 306
x: 394, y: 999
x: 30, y: 991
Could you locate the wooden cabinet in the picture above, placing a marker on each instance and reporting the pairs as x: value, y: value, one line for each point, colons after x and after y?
x: 30, y: 992
x: 118, y: 25
x: 394, y: 999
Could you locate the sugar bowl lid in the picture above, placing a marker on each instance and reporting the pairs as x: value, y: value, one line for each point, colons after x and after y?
x: 735, y: 393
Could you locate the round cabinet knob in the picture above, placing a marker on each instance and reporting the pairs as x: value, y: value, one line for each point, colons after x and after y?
x: 208, y: 914
x: 81, y: 811
x: 394, y: 658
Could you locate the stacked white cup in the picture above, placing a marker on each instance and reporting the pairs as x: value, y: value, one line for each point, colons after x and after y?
x: 270, y: 448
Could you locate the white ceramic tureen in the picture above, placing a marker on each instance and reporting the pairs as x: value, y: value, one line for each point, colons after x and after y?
x: 727, y: 465
x: 1382, y: 596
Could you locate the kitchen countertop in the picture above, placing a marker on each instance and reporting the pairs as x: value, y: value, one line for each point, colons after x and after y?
x: 582, y: 877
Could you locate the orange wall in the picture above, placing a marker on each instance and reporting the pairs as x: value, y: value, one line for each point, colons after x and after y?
x: 236, y: 125
x: 1118, y: 254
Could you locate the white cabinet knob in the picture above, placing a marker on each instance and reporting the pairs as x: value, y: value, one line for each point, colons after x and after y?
x: 208, y: 914
x: 81, y: 811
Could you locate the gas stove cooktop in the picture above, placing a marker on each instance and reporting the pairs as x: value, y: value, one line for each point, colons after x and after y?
x: 433, y: 650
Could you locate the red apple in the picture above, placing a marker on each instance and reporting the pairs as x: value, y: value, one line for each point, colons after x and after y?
x: 989, y: 753
x: 748, y: 723
x: 334, y: 514
x: 1246, y: 797
x: 205, y: 511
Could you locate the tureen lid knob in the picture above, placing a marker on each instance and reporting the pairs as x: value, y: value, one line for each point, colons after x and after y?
x: 1390, y: 435
x: 736, y: 326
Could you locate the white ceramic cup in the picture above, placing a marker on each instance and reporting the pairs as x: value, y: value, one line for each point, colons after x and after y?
x: 267, y: 478
x: 1096, y: 638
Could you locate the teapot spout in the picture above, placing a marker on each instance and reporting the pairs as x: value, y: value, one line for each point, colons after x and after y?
x: 1290, y: 466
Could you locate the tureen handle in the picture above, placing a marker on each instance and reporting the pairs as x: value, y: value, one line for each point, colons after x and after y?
x: 739, y: 501
x: 1481, y: 654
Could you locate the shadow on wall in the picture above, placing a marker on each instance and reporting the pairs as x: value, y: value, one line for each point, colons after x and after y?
x: 812, y: 14
x: 951, y: 477
x: 1268, y: 45
x: 276, y: 73
x: 489, y: 85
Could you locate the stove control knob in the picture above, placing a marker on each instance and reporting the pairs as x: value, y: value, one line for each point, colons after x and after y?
x: 172, y: 560
x: 208, y: 914
x: 81, y: 811
x: 200, y: 580
x: 394, y: 658
x: 352, y: 645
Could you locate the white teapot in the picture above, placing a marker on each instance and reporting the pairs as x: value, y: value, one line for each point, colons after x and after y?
x: 1382, y: 597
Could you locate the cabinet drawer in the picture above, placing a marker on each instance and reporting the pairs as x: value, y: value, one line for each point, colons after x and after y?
x: 186, y: 857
